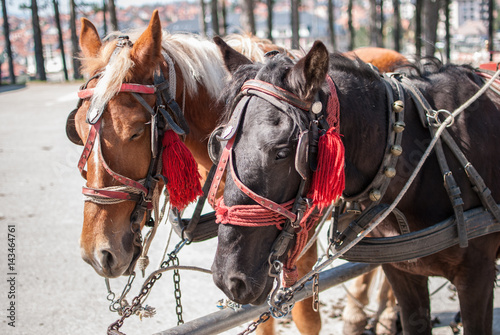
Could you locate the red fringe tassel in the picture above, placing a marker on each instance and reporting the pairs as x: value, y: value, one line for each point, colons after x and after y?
x: 181, y: 171
x: 328, y: 181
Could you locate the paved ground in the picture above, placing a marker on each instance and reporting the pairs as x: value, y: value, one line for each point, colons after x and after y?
x: 55, y: 291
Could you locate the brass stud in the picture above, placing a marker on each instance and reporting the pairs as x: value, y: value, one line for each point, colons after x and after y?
x: 317, y: 107
x: 396, y: 150
x: 270, y: 205
x: 390, y: 172
x: 398, y: 106
x: 375, y: 195
x: 398, y: 126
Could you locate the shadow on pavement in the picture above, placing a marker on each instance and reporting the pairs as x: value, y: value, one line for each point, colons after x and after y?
x: 8, y: 88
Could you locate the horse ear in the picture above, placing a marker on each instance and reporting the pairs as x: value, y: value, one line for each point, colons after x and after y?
x: 232, y: 58
x: 90, y: 42
x: 310, y: 71
x: 146, y: 52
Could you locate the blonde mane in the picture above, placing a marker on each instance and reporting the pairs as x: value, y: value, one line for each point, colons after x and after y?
x: 198, y: 59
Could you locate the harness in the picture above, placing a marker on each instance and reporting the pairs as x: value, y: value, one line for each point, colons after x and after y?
x: 409, y: 246
x: 405, y: 247
x: 139, y: 191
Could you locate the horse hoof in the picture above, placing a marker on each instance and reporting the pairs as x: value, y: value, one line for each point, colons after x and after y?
x: 354, y: 328
x: 387, y: 322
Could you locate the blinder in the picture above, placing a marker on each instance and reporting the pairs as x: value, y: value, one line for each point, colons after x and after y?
x: 214, y: 145
x: 302, y: 156
x: 71, y: 132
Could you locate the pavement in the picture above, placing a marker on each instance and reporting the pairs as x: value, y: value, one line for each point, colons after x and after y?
x: 52, y: 290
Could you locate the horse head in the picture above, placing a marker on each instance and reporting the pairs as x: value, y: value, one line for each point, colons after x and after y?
x: 116, y: 120
x: 264, y: 135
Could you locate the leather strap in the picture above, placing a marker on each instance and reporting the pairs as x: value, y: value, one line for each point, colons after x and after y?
x: 127, y: 87
x: 109, y: 194
x: 264, y: 202
x: 89, y: 145
x: 277, y: 92
x: 219, y: 173
x: 423, y: 242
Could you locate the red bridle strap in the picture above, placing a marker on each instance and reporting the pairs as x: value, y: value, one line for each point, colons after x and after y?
x: 92, y: 139
x: 226, y: 158
x: 127, y: 87
x: 264, y: 202
x: 107, y: 193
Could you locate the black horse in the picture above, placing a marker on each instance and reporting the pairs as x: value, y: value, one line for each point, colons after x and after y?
x: 263, y: 158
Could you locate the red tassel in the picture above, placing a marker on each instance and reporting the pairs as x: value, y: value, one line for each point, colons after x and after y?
x: 181, y: 171
x: 328, y: 181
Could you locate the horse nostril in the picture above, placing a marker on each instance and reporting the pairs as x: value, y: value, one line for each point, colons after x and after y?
x: 238, y: 287
x: 107, y: 260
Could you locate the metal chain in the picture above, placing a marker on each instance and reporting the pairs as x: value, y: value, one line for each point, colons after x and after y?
x: 113, y: 329
x: 253, y: 326
x: 177, y: 292
x: 315, y: 303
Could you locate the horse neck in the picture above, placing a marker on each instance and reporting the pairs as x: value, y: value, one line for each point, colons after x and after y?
x: 363, y: 124
x: 202, y: 112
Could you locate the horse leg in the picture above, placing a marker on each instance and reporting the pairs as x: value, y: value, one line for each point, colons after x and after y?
x: 266, y: 328
x: 475, y: 292
x: 308, y: 321
x: 387, y: 314
x: 354, y: 316
x: 412, y: 294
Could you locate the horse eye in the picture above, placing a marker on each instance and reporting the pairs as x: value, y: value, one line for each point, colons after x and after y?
x: 137, y: 135
x: 282, y: 154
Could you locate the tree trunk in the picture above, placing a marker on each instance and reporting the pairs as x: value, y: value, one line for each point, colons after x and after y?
x: 396, y: 26
x: 418, y: 28
x: 61, y: 42
x: 331, y: 23
x: 447, y: 29
x: 491, y: 28
x: 270, y: 16
x: 112, y: 15
x: 203, y: 22
x: 74, y: 41
x: 8, y: 47
x: 37, y: 36
x: 247, y: 16
x: 352, y: 33
x: 373, y: 23
x: 215, y: 18
x: 380, y: 35
x: 431, y: 18
x: 224, y: 17
x: 295, y: 24
x: 104, y: 20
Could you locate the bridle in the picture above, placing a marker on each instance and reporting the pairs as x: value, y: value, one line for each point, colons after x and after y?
x: 295, y: 217
x: 139, y: 191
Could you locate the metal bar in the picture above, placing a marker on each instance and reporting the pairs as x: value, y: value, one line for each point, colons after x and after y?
x: 226, y: 319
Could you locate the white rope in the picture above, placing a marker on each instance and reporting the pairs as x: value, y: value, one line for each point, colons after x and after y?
x: 396, y: 201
